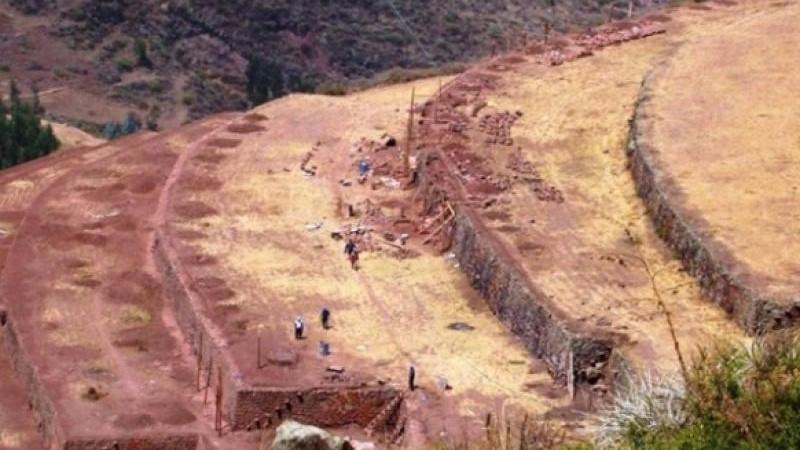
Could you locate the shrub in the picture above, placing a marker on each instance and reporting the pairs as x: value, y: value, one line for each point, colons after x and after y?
x: 152, y: 118
x: 525, y: 434
x: 140, y: 51
x: 129, y: 125
x: 124, y: 64
x: 737, y: 397
x: 331, y: 88
x: 644, y: 402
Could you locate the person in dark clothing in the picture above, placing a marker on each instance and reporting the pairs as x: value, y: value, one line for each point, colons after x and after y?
x: 349, y: 247
x: 354, y: 259
x: 325, y: 317
x: 412, y: 373
x: 351, y: 250
x: 298, y: 328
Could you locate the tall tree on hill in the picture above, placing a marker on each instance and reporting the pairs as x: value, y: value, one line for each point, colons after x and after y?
x: 22, y: 136
x: 265, y: 80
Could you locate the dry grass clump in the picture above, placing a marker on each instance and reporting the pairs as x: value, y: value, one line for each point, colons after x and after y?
x: 736, y: 397
x: 525, y: 434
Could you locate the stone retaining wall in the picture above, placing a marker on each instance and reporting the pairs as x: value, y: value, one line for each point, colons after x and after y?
x: 754, y: 312
x: 543, y: 329
x: 43, y: 409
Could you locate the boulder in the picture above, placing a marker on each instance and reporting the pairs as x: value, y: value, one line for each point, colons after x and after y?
x: 293, y: 435
x: 358, y: 445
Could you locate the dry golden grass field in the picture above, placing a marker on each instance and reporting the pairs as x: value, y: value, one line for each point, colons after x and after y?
x: 722, y: 125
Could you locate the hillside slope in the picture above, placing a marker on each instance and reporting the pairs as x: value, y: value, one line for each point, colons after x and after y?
x: 197, y: 51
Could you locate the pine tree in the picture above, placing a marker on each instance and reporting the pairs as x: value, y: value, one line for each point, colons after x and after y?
x: 14, y: 93
x: 4, y: 135
x: 22, y: 136
x: 35, y: 103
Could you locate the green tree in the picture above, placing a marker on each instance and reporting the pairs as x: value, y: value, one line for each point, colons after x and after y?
x: 265, y: 80
x: 140, y: 50
x: 22, y: 136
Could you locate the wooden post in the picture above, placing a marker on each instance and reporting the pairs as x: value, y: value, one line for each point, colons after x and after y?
x: 208, y: 380
x: 218, y: 415
x: 436, y: 103
x: 571, y: 374
x: 258, y: 352
x: 199, y: 363
x: 407, y: 156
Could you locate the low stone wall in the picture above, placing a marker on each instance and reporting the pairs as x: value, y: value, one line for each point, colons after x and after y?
x: 154, y: 442
x: 196, y: 327
x: 754, y: 312
x: 43, y: 409
x: 327, y: 407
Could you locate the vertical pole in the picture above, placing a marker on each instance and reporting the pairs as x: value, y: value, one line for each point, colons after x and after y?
x: 258, y: 352
x: 571, y: 374
x: 436, y: 103
x: 208, y: 380
x: 219, y: 402
x: 439, y: 95
x: 199, y: 362
x: 407, y: 156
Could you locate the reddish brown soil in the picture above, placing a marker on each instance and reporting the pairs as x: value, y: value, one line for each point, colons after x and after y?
x: 17, y: 424
x: 245, y: 128
x: 114, y: 277
x: 255, y: 117
x: 194, y: 210
x: 224, y: 142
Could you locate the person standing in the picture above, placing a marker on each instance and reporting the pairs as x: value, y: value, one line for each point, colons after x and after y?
x: 412, y: 374
x: 349, y: 247
x: 325, y: 317
x: 298, y: 327
x: 354, y: 259
x: 351, y: 250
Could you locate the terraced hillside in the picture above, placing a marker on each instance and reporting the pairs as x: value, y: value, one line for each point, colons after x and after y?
x: 717, y: 162
x: 175, y: 61
x: 149, y: 284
